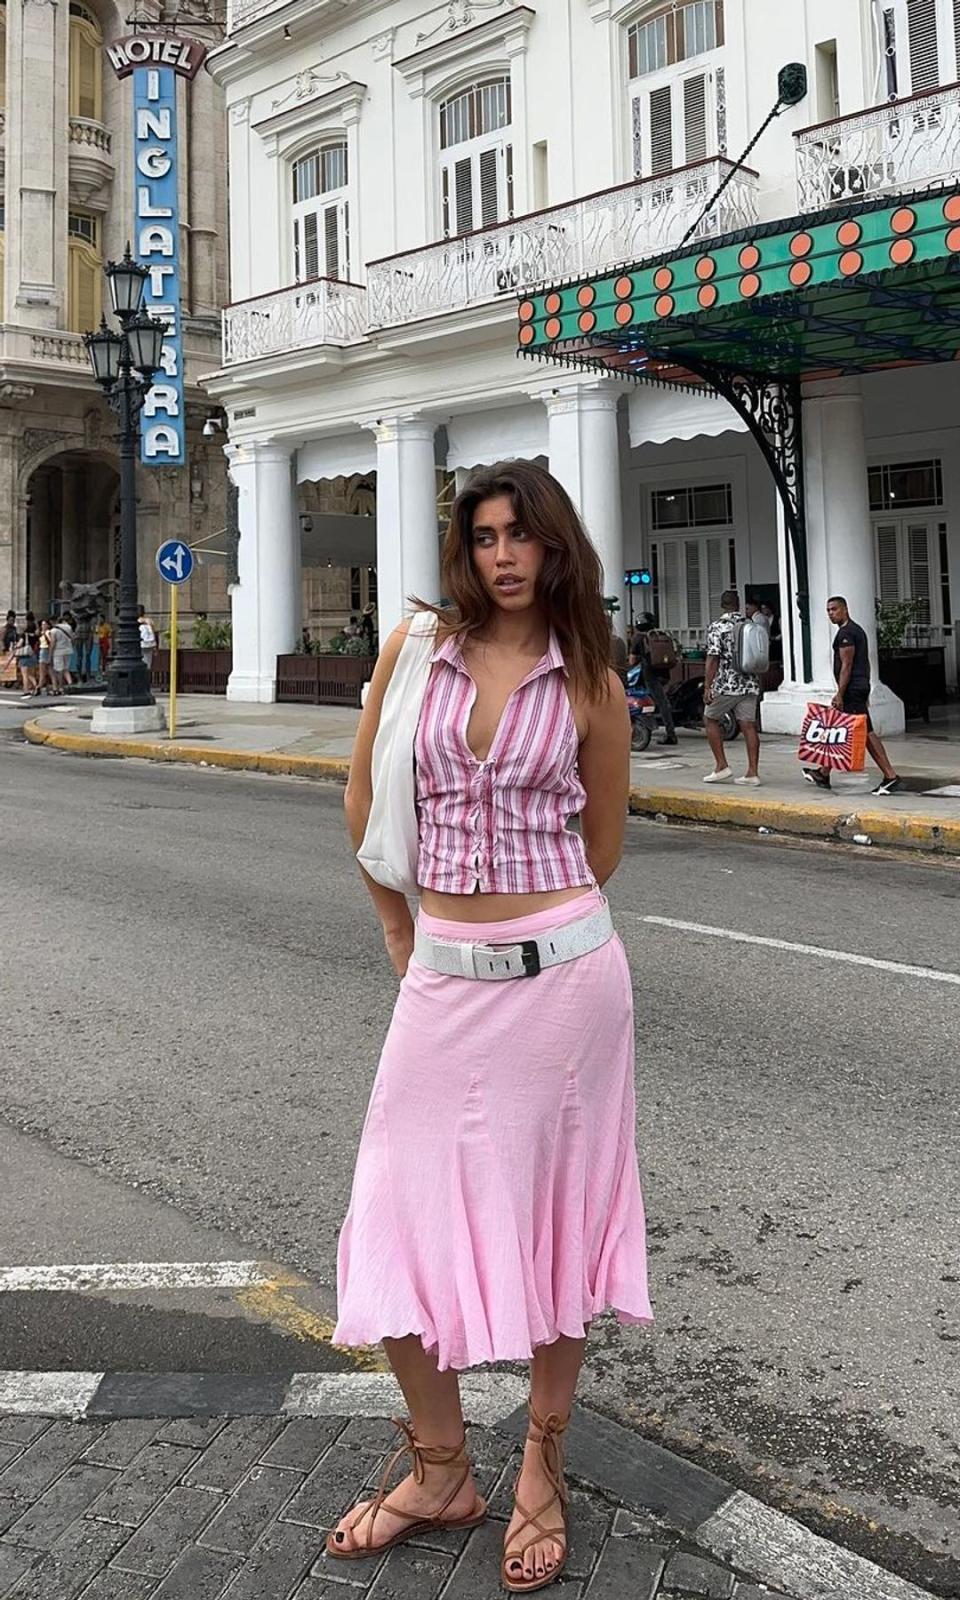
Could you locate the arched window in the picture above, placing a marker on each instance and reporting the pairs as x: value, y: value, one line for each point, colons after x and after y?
x: 321, y: 214
x: 675, y: 107
x: 476, y: 157
x: 86, y: 63
x: 85, y: 294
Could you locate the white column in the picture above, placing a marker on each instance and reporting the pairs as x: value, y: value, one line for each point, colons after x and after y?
x: 840, y: 550
x: 584, y: 447
x: 408, y: 543
x: 266, y: 601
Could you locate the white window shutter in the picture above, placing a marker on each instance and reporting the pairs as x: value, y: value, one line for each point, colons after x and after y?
x: 463, y: 192
x: 331, y: 241
x: 716, y: 577
x: 691, y: 552
x: 661, y: 130
x: 669, y: 586
x: 918, y: 554
x: 956, y: 38
x: 489, y: 187
x: 310, y: 254
x: 922, y: 23
x: 888, y: 565
x: 695, y: 118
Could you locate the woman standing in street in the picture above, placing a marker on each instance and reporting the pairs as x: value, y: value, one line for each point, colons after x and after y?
x: 496, y: 1205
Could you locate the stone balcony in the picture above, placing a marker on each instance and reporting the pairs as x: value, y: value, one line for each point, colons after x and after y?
x: 897, y: 147
x: 322, y: 312
x: 91, y: 158
x: 617, y: 225
x: 44, y: 353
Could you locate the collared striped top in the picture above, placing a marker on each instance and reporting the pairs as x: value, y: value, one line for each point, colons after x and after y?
x: 499, y: 826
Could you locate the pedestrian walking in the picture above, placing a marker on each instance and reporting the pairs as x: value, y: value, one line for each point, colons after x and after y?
x: 728, y: 687
x: 44, y: 679
x: 148, y: 637
x: 61, y: 653
x: 8, y: 651
x: 25, y: 651
x: 496, y: 1205
x: 851, y: 671
x: 654, y: 651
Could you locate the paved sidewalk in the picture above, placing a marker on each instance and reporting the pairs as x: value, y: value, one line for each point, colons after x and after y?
x: 161, y: 1490
x: 316, y: 742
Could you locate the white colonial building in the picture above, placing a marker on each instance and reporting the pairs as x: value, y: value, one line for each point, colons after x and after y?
x: 401, y: 171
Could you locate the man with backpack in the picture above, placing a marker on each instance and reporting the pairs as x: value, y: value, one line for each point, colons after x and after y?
x: 738, y: 653
x: 654, y: 651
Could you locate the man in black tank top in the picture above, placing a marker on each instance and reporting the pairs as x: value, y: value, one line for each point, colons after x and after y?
x: 851, y: 670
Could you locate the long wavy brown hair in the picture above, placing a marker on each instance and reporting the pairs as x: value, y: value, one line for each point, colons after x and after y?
x: 569, y: 587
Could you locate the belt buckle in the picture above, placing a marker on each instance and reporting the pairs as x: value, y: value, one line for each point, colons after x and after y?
x: 530, y: 956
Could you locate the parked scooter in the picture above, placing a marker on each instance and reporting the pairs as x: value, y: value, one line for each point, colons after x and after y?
x: 643, y: 718
x: 686, y: 704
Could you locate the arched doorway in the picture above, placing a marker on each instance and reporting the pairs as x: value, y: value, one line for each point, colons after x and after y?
x: 71, y: 518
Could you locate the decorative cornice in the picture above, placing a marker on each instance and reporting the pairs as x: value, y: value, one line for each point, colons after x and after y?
x: 382, y: 45
x: 508, y: 29
x: 240, y: 112
x: 304, y: 85
x: 340, y: 106
x: 460, y: 14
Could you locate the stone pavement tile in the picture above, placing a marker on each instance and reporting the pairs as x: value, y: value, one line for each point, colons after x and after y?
x: 198, y: 1575
x: 477, y: 1574
x: 233, y: 1452
x: 13, y: 1564
x: 589, y: 1525
x: 695, y: 1575
x: 113, y: 1585
x: 168, y: 1530
x: 333, y: 1486
x: 302, y: 1443
x: 47, y: 1518
x: 627, y: 1567
x: 282, y: 1558
x: 10, y: 1509
x: 63, y: 1572
x: 8, y: 1453
x: 627, y: 1525
x: 321, y: 1589
x: 121, y: 1441
x: 250, y: 1509
x: 23, y: 1430
x: 355, y: 1574
x: 409, y: 1574
x: 489, y: 1453
x: 500, y: 1495
x: 756, y: 1591
x: 56, y: 1449
x: 141, y: 1486
x: 195, y: 1431
x: 372, y: 1433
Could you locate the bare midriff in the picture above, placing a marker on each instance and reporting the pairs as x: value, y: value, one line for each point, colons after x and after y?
x: 495, y: 907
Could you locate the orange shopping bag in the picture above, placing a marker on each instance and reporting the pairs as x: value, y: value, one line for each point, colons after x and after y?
x: 833, y: 739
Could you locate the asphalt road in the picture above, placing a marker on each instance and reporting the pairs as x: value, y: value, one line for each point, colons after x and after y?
x: 194, y: 995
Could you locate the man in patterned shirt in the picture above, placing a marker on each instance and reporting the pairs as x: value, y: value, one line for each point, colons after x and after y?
x: 725, y: 689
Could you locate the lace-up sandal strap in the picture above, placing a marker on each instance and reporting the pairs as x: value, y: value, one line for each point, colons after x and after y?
x: 431, y: 1455
x: 551, y: 1430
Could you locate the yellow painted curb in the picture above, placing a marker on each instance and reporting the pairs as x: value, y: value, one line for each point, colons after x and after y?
x: 95, y: 744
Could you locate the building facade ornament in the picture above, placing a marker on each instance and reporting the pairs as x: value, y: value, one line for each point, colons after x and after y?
x: 240, y: 112
x: 382, y: 45
x: 460, y: 14
x: 305, y: 84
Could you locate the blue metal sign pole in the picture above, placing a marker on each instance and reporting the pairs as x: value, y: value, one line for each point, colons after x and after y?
x: 156, y: 208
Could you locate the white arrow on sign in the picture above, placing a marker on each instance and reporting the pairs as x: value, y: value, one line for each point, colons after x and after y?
x: 174, y: 562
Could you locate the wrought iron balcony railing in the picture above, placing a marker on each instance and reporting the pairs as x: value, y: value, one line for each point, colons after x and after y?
x: 323, y: 311
x: 902, y: 145
x: 623, y: 224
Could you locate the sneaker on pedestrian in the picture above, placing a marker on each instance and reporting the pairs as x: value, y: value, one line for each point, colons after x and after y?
x: 749, y: 778
x: 890, y: 785
x: 818, y: 776
x: 723, y: 776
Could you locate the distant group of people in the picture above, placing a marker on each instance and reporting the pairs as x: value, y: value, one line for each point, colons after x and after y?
x: 40, y: 656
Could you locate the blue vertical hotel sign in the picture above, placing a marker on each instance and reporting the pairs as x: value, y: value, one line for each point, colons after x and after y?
x: 158, y: 248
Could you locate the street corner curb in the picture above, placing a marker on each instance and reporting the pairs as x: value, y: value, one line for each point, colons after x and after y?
x: 899, y: 830
x: 95, y: 744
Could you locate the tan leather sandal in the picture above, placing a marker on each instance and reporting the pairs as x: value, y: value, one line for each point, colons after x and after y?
x: 550, y: 1430
x: 431, y: 1455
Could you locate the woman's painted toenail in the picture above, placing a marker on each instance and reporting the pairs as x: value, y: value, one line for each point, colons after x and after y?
x: 339, y: 1538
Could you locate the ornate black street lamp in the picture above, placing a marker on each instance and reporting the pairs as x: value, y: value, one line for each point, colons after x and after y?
x: 124, y: 365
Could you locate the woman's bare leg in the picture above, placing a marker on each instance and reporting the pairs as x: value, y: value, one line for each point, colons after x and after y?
x: 553, y: 1381
x: 433, y: 1400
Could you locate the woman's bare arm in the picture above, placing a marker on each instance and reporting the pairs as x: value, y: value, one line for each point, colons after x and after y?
x: 392, y: 907
x: 605, y: 774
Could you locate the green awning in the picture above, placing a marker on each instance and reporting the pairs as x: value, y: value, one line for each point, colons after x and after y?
x: 849, y: 290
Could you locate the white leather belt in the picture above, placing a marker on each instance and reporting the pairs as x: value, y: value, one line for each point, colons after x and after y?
x: 524, y: 960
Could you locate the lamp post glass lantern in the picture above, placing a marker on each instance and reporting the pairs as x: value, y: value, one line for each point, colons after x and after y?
x: 124, y: 365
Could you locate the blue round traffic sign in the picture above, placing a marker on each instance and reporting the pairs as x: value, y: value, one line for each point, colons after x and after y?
x: 174, y: 561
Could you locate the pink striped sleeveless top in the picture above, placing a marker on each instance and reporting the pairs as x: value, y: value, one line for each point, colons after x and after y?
x: 499, y: 826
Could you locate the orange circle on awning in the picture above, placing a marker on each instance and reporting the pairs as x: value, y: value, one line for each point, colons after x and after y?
x: 953, y: 239
x: 801, y: 244
x: 749, y: 256
x: 623, y: 288
x: 623, y: 314
x: 707, y: 296
x: 849, y: 233
x: 903, y: 220
x: 552, y: 329
x: 527, y: 333
x: 749, y: 285
x: 951, y: 208
x: 586, y: 294
x: 527, y: 310
x: 552, y: 303
x: 586, y: 321
x: 800, y: 273
x: 902, y: 251
x: 851, y: 262
x: 664, y: 305
x: 662, y: 278
x: 705, y: 267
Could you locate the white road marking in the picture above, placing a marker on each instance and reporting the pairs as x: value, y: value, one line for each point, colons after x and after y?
x: 932, y: 974
x: 48, y: 1394
x: 137, y: 1275
x: 487, y: 1397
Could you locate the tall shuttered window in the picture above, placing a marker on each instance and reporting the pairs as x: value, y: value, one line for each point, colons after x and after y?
x: 675, y: 105
x: 321, y: 214
x: 691, y: 568
x: 921, y: 45
x: 476, y: 158
x: 85, y: 272
x: 86, y: 64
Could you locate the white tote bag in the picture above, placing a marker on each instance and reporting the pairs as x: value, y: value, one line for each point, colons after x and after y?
x: 391, y: 840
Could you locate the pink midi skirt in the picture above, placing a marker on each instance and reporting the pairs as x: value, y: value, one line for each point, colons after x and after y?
x: 496, y: 1199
